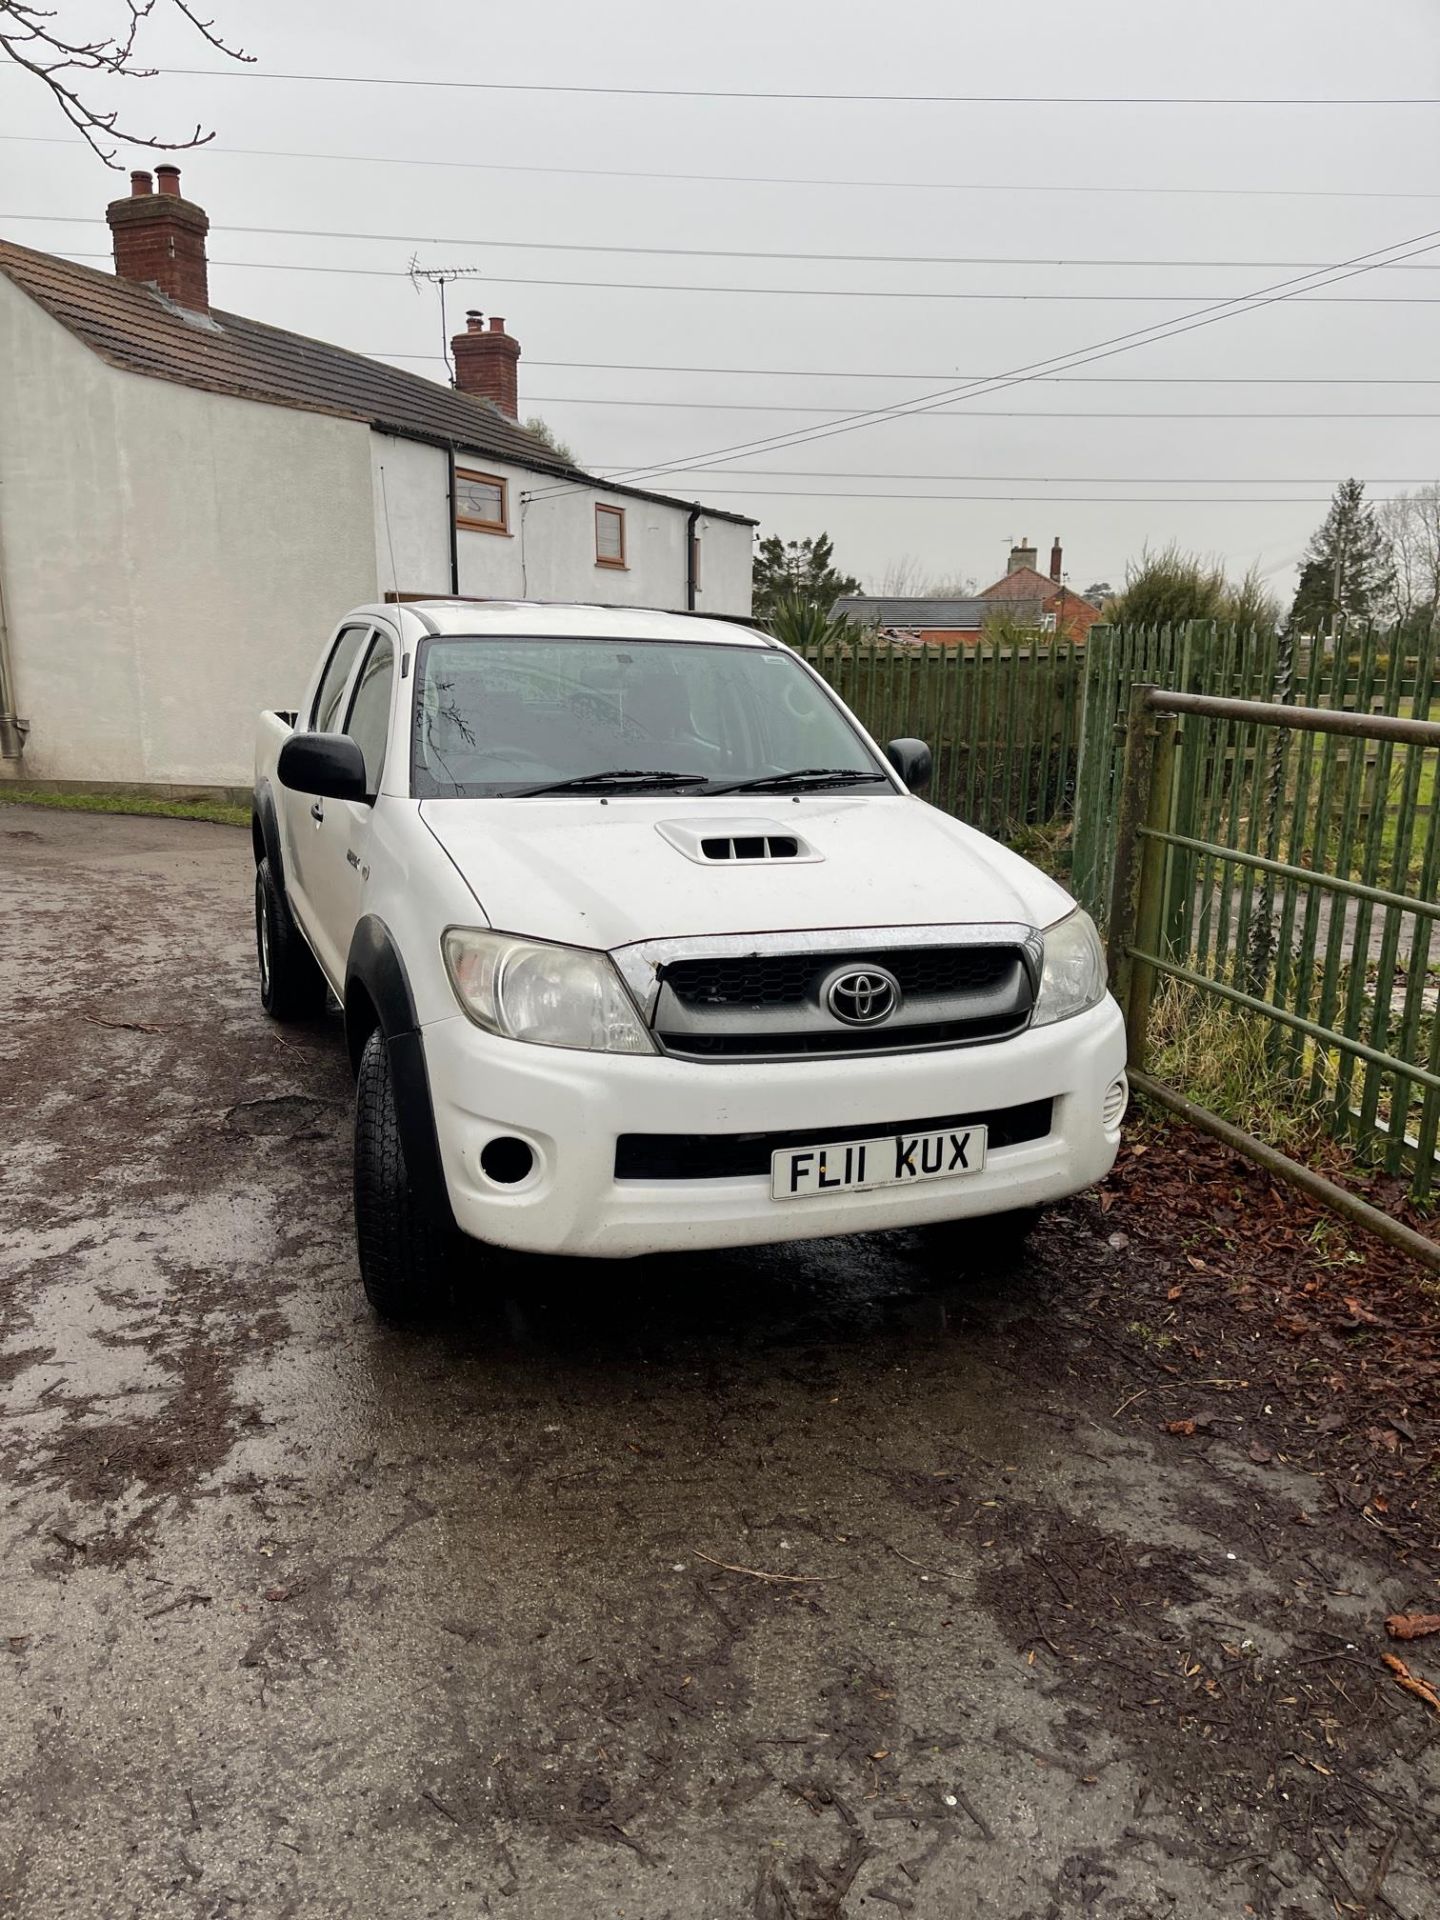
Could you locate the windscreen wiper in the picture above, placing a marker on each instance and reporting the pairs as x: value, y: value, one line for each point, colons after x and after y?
x: 802, y: 777
x: 627, y: 779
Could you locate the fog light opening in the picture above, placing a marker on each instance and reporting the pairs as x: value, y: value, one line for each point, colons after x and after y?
x: 1117, y: 1099
x: 507, y: 1161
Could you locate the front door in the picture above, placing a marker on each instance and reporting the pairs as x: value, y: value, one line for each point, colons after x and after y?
x: 303, y: 814
x: 341, y: 849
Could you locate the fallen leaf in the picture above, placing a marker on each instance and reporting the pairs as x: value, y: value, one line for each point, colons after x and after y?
x: 277, y: 1593
x: 1107, y: 1200
x: 1197, y: 1264
x: 1174, y: 1293
x: 1359, y: 1316
x: 1196, y: 1423
x: 1262, y: 1456
x: 1421, y: 1689
x: 1412, y: 1626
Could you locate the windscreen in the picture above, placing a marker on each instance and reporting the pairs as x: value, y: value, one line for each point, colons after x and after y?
x: 504, y: 716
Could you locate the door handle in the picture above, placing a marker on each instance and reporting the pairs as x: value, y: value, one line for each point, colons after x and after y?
x: 317, y: 810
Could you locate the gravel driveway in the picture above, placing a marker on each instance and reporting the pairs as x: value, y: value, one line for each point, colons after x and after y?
x: 798, y: 1584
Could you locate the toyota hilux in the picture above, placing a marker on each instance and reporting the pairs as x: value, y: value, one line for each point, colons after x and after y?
x: 644, y: 945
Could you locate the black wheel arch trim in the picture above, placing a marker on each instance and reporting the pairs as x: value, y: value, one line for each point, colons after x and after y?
x: 269, y: 823
x: 376, y: 972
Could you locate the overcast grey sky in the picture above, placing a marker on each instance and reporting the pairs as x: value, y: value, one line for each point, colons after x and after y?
x: 1321, y: 184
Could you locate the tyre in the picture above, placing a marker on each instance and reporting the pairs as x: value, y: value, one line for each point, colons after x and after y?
x: 292, y: 986
x: 405, y: 1252
x: 988, y: 1240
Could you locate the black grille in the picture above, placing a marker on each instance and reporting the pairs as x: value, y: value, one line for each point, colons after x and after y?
x: 931, y: 1033
x: 722, y: 1156
x: 787, y: 979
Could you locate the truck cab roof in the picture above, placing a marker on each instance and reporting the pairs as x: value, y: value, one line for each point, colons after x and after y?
x: 571, y: 620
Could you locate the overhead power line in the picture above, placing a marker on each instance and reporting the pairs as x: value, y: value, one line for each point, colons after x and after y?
x: 817, y: 293
x: 1037, y: 499
x: 789, y: 255
x: 936, y: 413
x: 776, y: 179
x: 1280, y: 292
x: 1043, y: 379
x: 859, y: 99
x: 1066, y: 479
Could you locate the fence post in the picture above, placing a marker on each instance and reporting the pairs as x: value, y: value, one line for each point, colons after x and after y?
x: 1137, y: 912
x: 1159, y: 805
x: 1125, y: 879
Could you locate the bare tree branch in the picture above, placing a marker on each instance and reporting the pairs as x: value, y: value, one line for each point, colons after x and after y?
x: 39, y: 44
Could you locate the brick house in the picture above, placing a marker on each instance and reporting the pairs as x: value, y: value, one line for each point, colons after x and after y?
x: 1022, y: 585
x: 1022, y: 595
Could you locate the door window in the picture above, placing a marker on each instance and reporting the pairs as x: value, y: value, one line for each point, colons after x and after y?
x: 325, y: 714
x: 369, y: 722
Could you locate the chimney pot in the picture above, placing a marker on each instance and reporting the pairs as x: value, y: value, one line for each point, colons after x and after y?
x: 497, y: 325
x: 168, y: 178
x: 140, y: 184
x: 1056, y: 560
x: 474, y: 322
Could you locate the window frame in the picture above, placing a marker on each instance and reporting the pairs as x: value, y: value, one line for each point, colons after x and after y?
x: 622, y: 564
x: 469, y: 521
x: 379, y: 637
x: 364, y: 628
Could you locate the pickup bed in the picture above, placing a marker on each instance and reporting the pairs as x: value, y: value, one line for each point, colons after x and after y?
x: 643, y: 945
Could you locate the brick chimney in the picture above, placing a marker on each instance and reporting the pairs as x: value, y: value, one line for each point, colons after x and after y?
x: 160, y: 239
x: 1023, y: 555
x: 1055, y: 560
x: 487, y: 363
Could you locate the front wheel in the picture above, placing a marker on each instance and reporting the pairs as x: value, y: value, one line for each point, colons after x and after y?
x: 404, y: 1250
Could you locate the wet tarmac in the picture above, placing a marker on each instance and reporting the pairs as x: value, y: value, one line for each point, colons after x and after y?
x: 768, y: 1584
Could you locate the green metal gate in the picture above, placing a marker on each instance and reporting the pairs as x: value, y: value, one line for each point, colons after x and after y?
x: 1287, y: 860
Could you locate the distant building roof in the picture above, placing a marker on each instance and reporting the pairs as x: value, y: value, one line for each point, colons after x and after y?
x: 1026, y: 583
x: 960, y: 616
x: 135, y: 328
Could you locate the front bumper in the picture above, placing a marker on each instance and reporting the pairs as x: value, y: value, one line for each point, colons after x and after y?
x: 571, y: 1107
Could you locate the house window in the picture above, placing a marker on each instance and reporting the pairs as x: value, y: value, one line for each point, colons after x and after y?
x: 610, y: 536
x: 481, y: 501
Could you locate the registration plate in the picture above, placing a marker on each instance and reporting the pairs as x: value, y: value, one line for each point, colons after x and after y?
x: 889, y: 1160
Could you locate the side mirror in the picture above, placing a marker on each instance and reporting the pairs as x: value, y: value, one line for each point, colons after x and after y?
x: 328, y: 764
x: 912, y: 760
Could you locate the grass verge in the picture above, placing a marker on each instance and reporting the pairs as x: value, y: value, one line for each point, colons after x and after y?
x: 135, y: 803
x: 1221, y: 1056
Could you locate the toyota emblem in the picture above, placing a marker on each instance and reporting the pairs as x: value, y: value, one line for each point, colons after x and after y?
x: 863, y: 996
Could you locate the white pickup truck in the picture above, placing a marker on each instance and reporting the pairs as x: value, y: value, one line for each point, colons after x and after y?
x: 643, y: 945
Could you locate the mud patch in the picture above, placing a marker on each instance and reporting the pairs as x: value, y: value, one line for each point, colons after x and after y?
x: 1290, y: 1768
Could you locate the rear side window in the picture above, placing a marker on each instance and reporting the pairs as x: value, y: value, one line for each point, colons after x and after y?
x: 325, y: 715
x: 369, y: 722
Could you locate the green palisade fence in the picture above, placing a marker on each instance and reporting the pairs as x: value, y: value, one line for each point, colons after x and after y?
x: 1030, y: 731
x: 1001, y: 717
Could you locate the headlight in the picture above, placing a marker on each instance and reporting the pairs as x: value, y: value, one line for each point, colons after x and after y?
x: 1073, y: 976
x: 553, y: 996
